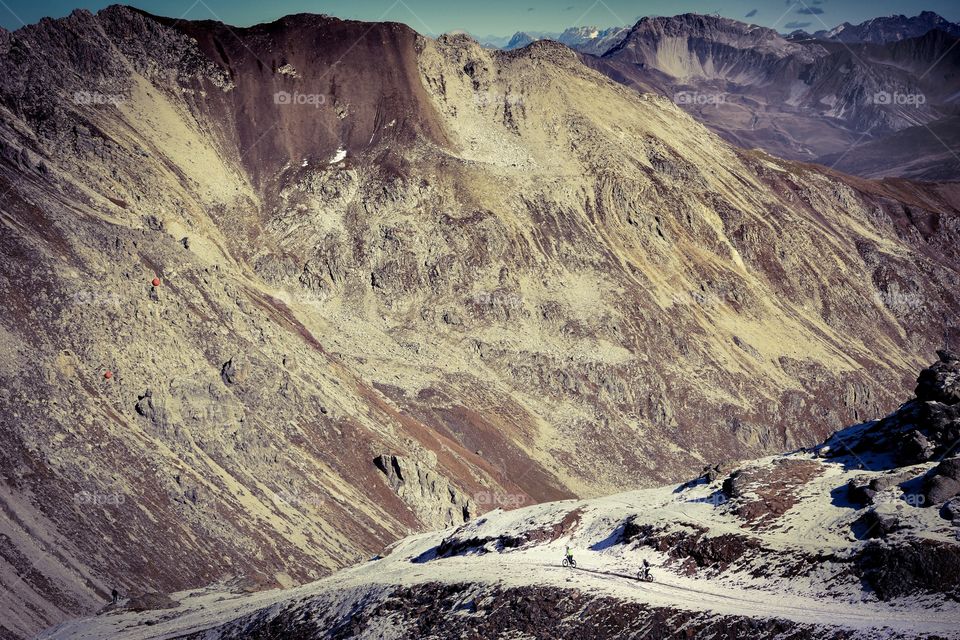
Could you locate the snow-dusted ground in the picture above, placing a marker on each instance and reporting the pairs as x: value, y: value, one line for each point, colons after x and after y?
x: 814, y: 525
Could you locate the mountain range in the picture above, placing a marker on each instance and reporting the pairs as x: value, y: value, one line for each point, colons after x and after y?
x: 278, y: 297
x: 593, y: 40
x: 847, y: 106
x: 882, y: 30
x: 885, y: 29
x: 875, y: 99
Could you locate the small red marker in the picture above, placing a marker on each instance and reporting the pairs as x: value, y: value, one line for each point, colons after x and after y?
x: 108, y: 374
x: 156, y: 282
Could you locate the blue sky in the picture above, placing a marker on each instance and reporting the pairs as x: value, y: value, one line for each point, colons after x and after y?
x: 501, y: 17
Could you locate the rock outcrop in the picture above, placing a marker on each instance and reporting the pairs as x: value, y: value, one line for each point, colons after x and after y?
x: 940, y: 382
x: 435, y: 501
x: 925, y: 428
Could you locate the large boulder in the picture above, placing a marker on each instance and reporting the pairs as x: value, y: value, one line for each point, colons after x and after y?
x: 940, y: 382
x: 862, y: 490
x: 951, y: 510
x: 917, y: 447
x: 710, y: 474
x: 872, y: 525
x: 943, y: 483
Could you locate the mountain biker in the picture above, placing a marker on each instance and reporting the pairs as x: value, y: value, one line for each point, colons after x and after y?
x: 645, y: 570
x: 569, y: 555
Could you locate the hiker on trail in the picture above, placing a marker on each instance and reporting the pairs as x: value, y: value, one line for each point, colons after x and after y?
x: 114, y: 596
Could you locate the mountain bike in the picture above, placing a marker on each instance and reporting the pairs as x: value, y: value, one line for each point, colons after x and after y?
x: 570, y: 562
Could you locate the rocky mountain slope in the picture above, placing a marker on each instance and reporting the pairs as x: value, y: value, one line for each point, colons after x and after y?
x: 275, y: 297
x: 856, y: 538
x: 803, y: 99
